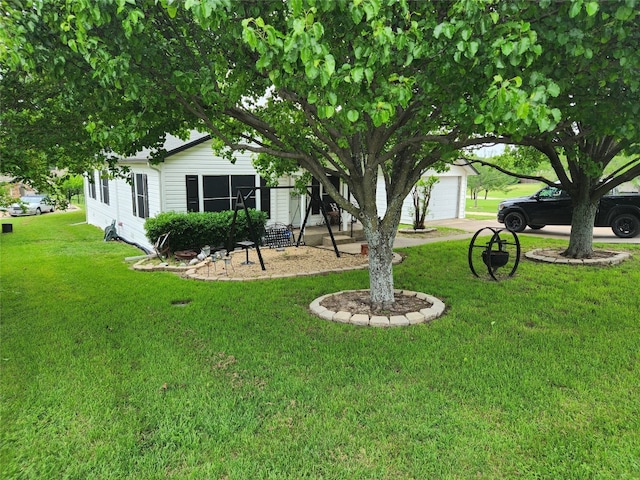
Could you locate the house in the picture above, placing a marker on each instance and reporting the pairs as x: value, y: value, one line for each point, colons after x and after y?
x: 192, y: 179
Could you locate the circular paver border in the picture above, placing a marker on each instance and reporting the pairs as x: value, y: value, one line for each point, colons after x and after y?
x: 544, y: 255
x: 412, y: 318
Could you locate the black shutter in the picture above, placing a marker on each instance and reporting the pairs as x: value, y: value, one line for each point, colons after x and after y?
x: 193, y: 195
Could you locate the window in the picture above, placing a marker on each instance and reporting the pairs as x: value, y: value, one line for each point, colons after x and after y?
x: 220, y: 191
x: 246, y: 182
x: 104, y: 187
x: 92, y: 184
x: 140, y: 195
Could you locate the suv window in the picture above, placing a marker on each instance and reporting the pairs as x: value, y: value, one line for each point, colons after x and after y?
x: 551, y: 192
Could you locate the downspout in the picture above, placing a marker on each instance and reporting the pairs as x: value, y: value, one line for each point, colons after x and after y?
x: 462, y: 191
x: 160, y: 187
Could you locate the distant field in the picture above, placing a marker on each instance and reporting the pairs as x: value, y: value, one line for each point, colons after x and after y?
x: 490, y: 205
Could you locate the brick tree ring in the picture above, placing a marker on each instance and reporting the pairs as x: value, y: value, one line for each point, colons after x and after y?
x: 600, y: 257
x: 336, y: 307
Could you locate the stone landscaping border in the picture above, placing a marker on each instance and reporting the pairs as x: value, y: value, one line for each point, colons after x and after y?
x: 545, y: 255
x: 411, y: 318
x: 191, y: 271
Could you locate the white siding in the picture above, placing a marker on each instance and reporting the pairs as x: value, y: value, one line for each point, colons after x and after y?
x: 283, y: 208
x: 131, y: 227
x: 198, y: 160
x: 98, y: 213
x: 120, y: 206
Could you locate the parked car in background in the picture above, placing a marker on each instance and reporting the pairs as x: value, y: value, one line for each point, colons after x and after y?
x: 31, y: 205
x: 553, y: 206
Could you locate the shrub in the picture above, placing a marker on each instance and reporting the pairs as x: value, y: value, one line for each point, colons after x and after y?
x: 192, y: 231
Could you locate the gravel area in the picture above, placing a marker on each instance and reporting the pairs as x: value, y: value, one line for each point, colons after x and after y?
x: 291, y: 261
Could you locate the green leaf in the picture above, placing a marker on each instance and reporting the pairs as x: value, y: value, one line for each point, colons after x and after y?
x: 329, y: 64
x: 523, y: 110
x: 623, y: 13
x: 356, y: 15
x: 553, y: 89
x: 544, y: 124
x: 296, y: 7
x: 473, y: 47
x: 326, y: 111
x: 353, y: 116
x: 495, y: 17
x: 506, y: 48
x: 576, y: 6
x: 357, y: 74
x: 502, y: 96
x: 324, y: 77
x: 298, y: 26
x: 592, y: 8
x: 368, y: 72
x: 438, y: 30
x: 311, y: 71
x: 479, y: 119
x: 250, y: 38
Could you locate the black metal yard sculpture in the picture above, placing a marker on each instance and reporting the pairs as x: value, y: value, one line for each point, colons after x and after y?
x: 500, y: 256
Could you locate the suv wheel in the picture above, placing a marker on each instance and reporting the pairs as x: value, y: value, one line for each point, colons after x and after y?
x: 625, y: 225
x: 515, y: 222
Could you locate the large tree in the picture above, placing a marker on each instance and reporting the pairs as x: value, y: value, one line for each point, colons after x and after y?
x: 352, y: 88
x: 591, y: 51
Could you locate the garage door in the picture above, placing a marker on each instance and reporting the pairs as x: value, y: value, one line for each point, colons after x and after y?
x: 443, y: 204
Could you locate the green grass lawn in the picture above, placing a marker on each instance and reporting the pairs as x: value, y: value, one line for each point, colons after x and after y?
x: 104, y: 377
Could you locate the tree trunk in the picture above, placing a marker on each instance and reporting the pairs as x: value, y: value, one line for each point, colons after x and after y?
x: 581, y: 239
x: 380, y: 266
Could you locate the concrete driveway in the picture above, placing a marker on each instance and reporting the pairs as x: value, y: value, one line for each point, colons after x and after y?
x: 600, y: 234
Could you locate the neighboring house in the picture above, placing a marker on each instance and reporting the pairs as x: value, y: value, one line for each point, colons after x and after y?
x: 15, y: 189
x: 193, y: 179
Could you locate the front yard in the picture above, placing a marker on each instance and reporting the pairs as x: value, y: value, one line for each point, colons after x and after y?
x: 111, y: 373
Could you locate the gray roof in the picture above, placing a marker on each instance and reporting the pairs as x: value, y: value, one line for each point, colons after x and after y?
x: 172, y: 145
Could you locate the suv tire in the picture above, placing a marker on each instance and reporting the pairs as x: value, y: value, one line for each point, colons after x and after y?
x: 515, y: 222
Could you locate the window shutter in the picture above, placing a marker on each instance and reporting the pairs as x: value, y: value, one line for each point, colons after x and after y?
x: 193, y: 196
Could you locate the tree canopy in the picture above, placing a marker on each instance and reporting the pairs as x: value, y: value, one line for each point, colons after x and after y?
x: 590, y: 52
x: 352, y: 88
